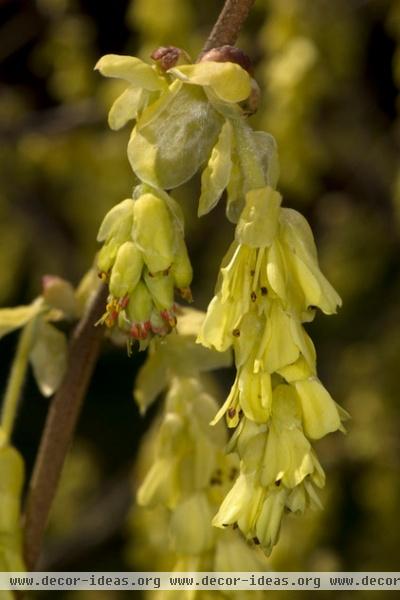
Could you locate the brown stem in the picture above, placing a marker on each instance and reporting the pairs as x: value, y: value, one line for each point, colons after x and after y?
x: 60, y: 425
x: 229, y: 23
x: 84, y: 349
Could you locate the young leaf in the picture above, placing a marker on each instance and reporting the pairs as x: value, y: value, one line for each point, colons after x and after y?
x: 14, y: 318
x: 216, y: 175
x: 49, y: 358
x: 127, y: 106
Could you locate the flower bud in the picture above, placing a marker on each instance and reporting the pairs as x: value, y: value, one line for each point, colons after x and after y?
x: 153, y: 232
x: 126, y: 271
x: 182, y: 271
x: 113, y: 218
x: 161, y: 288
x: 106, y: 257
x: 228, y: 54
x: 167, y: 57
x: 140, y: 304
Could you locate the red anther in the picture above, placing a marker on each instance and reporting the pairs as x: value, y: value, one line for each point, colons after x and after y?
x: 186, y: 294
x: 165, y: 315
x: 158, y: 330
x: 231, y: 413
x: 147, y: 325
x: 142, y: 332
x: 135, y: 331
x: 123, y: 302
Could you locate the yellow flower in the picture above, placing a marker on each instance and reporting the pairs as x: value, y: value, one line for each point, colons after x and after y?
x: 187, y: 448
x: 11, y: 482
x: 144, y: 264
x: 293, y: 270
x: 321, y: 414
x: 190, y: 528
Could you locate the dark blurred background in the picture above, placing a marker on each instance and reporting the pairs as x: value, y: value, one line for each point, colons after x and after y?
x: 330, y: 76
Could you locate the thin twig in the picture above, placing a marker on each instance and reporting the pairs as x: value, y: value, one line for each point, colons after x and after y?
x: 60, y: 425
x: 85, y: 346
x: 229, y: 23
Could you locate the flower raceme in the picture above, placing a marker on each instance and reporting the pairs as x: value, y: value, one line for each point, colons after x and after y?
x: 143, y: 259
x: 269, y: 286
x: 190, y: 118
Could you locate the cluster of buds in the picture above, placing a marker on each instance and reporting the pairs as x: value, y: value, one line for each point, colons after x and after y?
x: 143, y: 260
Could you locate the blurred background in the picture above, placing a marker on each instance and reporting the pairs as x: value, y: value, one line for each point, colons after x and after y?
x: 330, y: 76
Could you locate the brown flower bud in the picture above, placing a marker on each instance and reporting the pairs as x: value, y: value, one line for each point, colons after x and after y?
x: 169, y: 56
x: 229, y: 54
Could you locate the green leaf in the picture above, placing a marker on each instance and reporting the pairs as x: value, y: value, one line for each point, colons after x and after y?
x: 131, y: 69
x: 14, y: 318
x: 171, y: 147
x: 49, y: 358
x: 216, y: 175
x: 228, y: 80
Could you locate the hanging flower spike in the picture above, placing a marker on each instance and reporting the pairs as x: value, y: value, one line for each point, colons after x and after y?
x: 269, y: 285
x: 186, y: 448
x: 279, y: 470
x: 243, y: 285
x: 143, y: 259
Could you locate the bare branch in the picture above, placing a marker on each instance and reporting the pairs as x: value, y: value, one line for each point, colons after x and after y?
x: 229, y: 24
x: 60, y: 426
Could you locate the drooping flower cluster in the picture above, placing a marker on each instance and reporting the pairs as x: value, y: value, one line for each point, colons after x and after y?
x: 270, y: 285
x: 270, y: 282
x: 190, y: 472
x: 143, y: 259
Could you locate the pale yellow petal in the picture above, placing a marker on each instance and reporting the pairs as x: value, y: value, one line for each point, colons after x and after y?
x: 228, y: 80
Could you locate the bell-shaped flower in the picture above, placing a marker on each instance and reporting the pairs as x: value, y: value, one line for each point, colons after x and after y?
x: 257, y: 511
x: 321, y: 415
x: 187, y: 448
x: 288, y: 457
x: 293, y: 269
x: 190, y: 526
x: 251, y: 394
